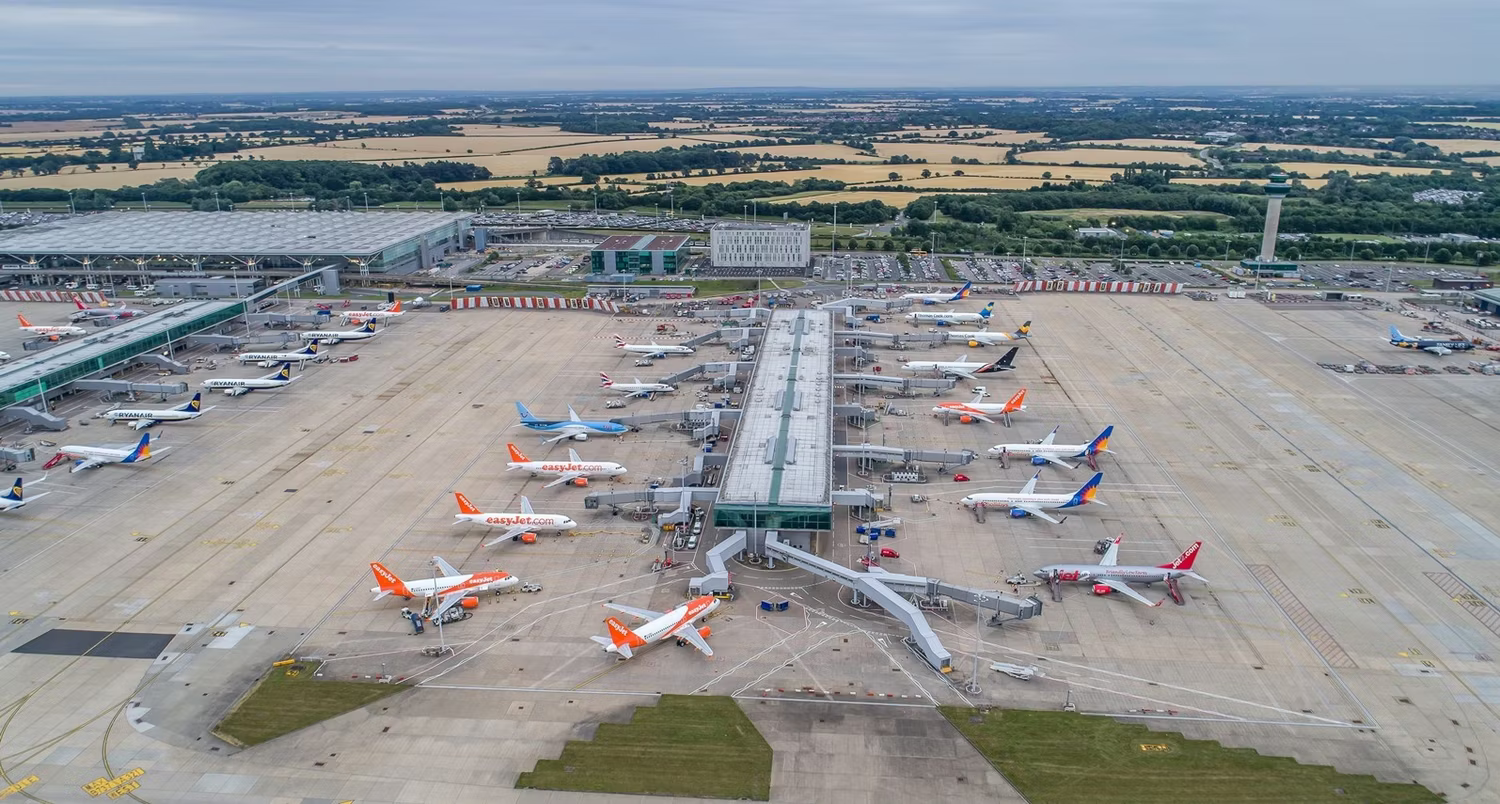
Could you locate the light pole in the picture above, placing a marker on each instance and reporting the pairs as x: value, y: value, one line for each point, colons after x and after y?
x: 973, y: 686
x: 518, y: 202
x: 216, y: 200
x: 144, y: 203
x: 71, y: 209
x: 753, y: 213
x: 367, y: 199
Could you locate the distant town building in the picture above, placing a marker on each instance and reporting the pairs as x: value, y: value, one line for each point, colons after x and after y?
x: 760, y: 245
x: 1097, y: 231
x: 1446, y: 196
x: 640, y: 254
x: 1164, y: 234
x: 1454, y: 237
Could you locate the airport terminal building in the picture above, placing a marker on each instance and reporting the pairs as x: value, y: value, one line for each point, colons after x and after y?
x: 660, y: 255
x: 378, y: 242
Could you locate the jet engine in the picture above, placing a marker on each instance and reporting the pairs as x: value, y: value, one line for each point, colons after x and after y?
x: 1017, y: 513
x: 581, y: 437
x: 1037, y: 460
x: 581, y: 482
x: 1101, y: 590
x: 705, y: 632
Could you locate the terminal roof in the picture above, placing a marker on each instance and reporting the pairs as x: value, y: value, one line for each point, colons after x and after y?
x: 79, y: 350
x: 782, y: 452
x: 313, y: 234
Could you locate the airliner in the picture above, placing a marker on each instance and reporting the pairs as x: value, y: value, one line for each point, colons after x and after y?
x: 1027, y: 502
x: 394, y: 311
x: 659, y: 626
x: 574, y: 428
x: 241, y: 386
x: 975, y: 409
x: 51, y: 332
x: 938, y: 298
x: 452, y: 587
x: 367, y: 330
x: 1107, y: 576
x: 1046, y: 451
x: 268, y: 359
x: 90, y: 457
x: 1437, y: 347
x: 652, y: 349
x: 981, y: 338
x: 86, y: 313
x: 637, y: 388
x: 520, y: 527
x: 951, y: 317
x: 572, y: 472
x: 962, y: 367
x: 143, y: 418
x: 14, y: 498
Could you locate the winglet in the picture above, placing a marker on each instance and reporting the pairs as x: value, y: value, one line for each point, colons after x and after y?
x: 464, y: 506
x: 517, y: 455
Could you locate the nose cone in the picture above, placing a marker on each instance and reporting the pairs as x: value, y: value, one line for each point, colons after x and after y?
x: 1041, y: 573
x: 993, y: 450
x: 505, y: 583
x: 568, y: 523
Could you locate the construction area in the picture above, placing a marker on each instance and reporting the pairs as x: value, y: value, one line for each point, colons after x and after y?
x: 1348, y: 543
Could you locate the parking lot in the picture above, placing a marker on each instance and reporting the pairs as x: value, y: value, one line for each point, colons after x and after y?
x: 1333, y: 556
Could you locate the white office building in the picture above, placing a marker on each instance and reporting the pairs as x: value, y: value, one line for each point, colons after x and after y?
x: 761, y: 245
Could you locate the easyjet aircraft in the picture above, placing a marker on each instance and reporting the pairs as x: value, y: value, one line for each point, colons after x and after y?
x: 518, y: 527
x: 975, y: 409
x: 573, y: 471
x: 449, y: 589
x: 659, y: 626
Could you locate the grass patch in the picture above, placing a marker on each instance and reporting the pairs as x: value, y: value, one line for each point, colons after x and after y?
x: 686, y: 745
x: 948, y: 269
x: 1067, y: 757
x: 290, y: 698
x: 1113, y: 213
x: 717, y: 287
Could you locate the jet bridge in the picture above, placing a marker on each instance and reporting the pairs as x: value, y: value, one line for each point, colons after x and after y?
x: 720, y: 370
x: 128, y: 387
x: 877, y: 452
x: 856, y: 303
x: 892, y: 592
x: 903, y: 385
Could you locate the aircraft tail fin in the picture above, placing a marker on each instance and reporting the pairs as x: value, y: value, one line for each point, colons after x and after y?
x: 368, y: 327
x: 619, y: 342
x: 1100, y: 442
x: 464, y: 506
x: 1396, y: 335
x: 141, y: 452
x: 395, y: 308
x: 963, y: 292
x: 517, y: 455
x: 525, y: 414
x: 26, y: 323
x: 604, y: 380
x: 1016, y: 402
x: 194, y: 405
x: 78, y: 301
x: 1023, y: 332
x: 1006, y: 361
x: 989, y: 309
x: 1185, y: 561
x: 1086, y: 492
x: 388, y: 583
x: 14, y: 494
x: 285, y: 373
x: 310, y: 349
x: 622, y: 637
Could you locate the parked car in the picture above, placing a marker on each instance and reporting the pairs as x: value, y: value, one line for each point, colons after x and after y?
x: 531, y: 587
x: 886, y: 552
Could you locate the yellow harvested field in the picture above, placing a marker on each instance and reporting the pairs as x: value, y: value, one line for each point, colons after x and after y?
x: 337, y: 153
x: 998, y: 182
x: 1314, y: 184
x: 481, y: 146
x: 1488, y: 160
x: 524, y: 162
x: 938, y: 154
x: 1319, y: 149
x: 895, y: 199
x: 1012, y: 138
x: 75, y: 177
x: 1462, y: 146
x: 1108, y: 156
x: 1144, y: 142
x: 480, y: 185
x: 1317, y: 169
x: 809, y: 152
x: 939, y: 133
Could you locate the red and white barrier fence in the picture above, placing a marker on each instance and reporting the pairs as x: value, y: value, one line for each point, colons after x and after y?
x: 1080, y: 286
x: 535, y: 303
x: 88, y: 296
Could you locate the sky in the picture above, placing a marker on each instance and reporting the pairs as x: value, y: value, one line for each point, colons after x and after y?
x: 112, y: 47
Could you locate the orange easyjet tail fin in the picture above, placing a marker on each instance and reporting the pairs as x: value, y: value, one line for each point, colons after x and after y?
x: 387, y: 580
x: 517, y: 455
x: 23, y: 320
x: 620, y: 635
x: 1016, y: 401
x: 464, y: 506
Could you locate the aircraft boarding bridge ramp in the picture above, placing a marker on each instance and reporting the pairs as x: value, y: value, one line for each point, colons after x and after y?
x: 893, y: 592
x: 902, y: 385
x: 887, y: 454
x: 856, y: 303
x: 718, y: 370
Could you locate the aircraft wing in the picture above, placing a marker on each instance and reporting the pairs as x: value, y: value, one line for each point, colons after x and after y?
x: 88, y: 463
x: 640, y: 614
x: 980, y: 416
x: 1124, y: 589
x: 1060, y: 462
x: 444, y: 567
x: 1040, y: 514
x: 961, y: 373
x: 512, y: 532
x: 565, y: 477
x: 568, y: 433
x: 689, y: 633
x: 1030, y: 484
x: 1111, y: 555
x: 446, y: 602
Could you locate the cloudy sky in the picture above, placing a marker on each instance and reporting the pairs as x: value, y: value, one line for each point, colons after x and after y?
x: 164, y: 46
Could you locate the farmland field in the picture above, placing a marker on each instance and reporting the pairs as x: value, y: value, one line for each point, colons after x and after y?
x: 1108, y: 156
x: 76, y: 177
x: 1488, y: 160
x: 1144, y: 142
x: 1309, y: 183
x: 1461, y: 146
x: 1109, y: 213
x: 1321, y: 149
x: 1317, y: 169
x: 1013, y: 138
x: 1471, y: 123
x: 939, y: 153
x: 895, y: 199
x: 808, y: 151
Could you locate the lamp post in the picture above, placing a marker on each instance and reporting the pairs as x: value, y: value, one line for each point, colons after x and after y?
x: 973, y: 686
x: 518, y: 202
x: 367, y: 199
x: 144, y: 203
x: 216, y: 200
x: 71, y: 209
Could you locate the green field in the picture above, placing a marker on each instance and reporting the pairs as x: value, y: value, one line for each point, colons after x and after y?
x: 1373, y: 238
x: 686, y: 745
x: 290, y: 698
x: 1109, y: 213
x: 1065, y: 757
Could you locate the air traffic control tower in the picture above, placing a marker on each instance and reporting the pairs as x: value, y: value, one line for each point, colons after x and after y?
x: 1265, y: 264
x: 779, y: 473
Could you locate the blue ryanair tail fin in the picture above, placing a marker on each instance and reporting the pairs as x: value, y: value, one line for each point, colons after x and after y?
x: 14, y: 495
x: 193, y: 405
